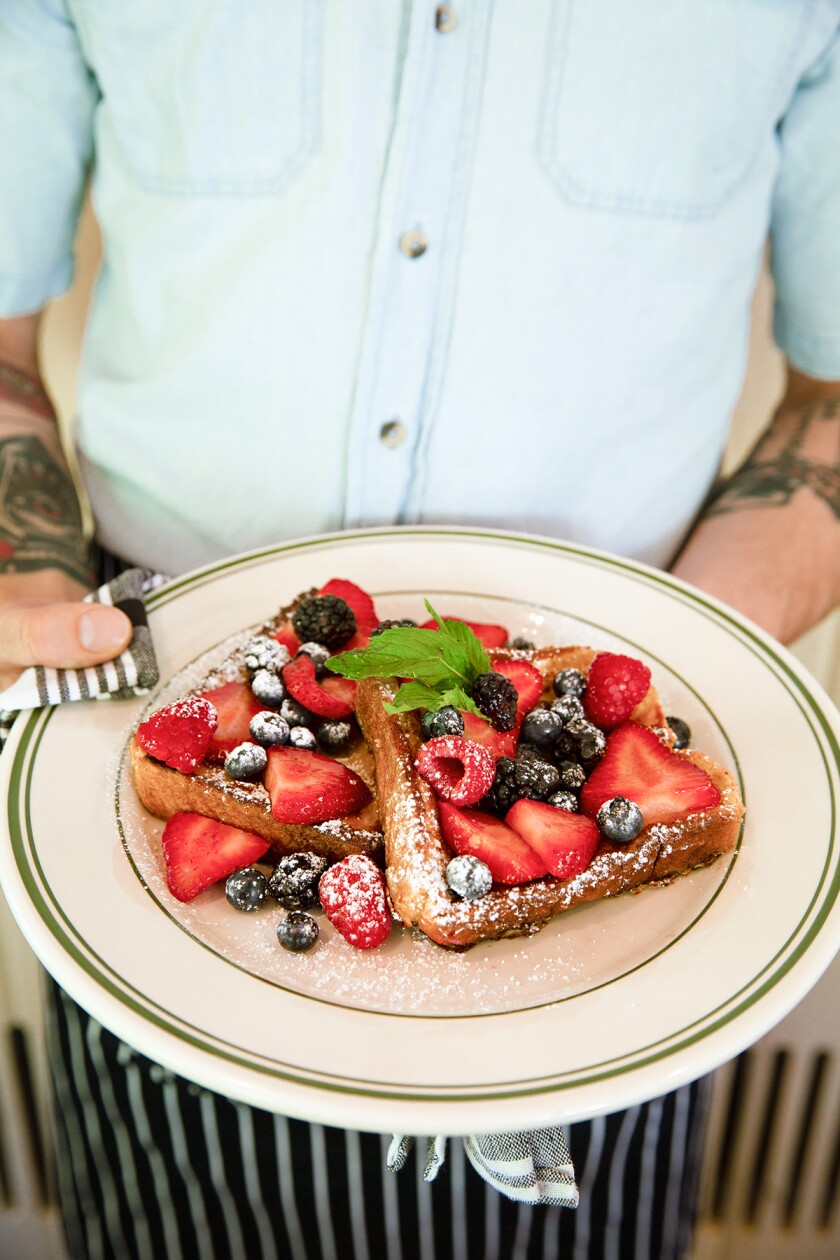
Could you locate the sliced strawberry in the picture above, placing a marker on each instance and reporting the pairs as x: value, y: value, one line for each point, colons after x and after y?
x: 527, y: 680
x: 353, y: 895
x: 179, y: 734
x: 199, y: 851
x: 614, y: 686
x: 566, y: 842
x: 287, y: 637
x: 307, y: 788
x: 510, y: 859
x: 499, y: 743
x: 490, y: 636
x: 303, y: 686
x: 235, y: 704
x: 367, y: 618
x: 460, y: 770
x: 636, y: 765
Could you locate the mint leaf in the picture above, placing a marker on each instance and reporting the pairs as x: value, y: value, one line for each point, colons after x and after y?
x: 415, y: 695
x: 442, y: 664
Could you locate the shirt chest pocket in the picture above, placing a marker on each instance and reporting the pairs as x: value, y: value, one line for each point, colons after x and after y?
x: 658, y: 108
x: 207, y: 97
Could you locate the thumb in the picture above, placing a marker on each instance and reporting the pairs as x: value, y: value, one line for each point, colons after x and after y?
x: 69, y: 636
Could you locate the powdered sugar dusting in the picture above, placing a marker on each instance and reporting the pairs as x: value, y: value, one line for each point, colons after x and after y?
x: 409, y: 974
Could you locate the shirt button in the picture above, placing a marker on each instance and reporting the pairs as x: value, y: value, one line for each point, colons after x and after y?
x: 392, y: 433
x: 445, y: 19
x: 413, y: 243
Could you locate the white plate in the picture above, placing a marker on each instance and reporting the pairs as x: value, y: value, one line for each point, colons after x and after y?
x: 609, y: 1005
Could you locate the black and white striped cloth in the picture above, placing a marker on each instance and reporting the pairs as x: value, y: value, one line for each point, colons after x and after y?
x: 133, y: 673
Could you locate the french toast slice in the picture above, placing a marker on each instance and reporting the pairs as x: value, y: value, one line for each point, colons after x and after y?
x: 417, y: 854
x: 209, y: 791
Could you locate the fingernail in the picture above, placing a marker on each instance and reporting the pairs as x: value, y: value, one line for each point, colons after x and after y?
x: 102, y: 629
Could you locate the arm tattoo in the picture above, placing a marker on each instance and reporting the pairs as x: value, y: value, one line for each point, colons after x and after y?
x: 40, y: 521
x: 781, y: 464
x: 19, y: 387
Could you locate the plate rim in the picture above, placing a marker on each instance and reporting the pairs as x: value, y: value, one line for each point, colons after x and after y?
x: 783, y: 962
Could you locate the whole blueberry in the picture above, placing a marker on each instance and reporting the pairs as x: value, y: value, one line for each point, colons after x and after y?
x: 567, y: 708
x: 540, y: 727
x: 620, y: 820
x: 317, y: 653
x: 469, y: 877
x: 444, y: 721
x: 521, y: 645
x: 246, y: 762
x: 682, y: 731
x: 262, y: 652
x: 298, y: 932
x: 269, y: 728
x: 569, y: 682
x: 246, y: 889
x: 302, y: 737
x: 296, y: 715
x: 590, y: 739
x: 334, y: 735
x: 268, y: 688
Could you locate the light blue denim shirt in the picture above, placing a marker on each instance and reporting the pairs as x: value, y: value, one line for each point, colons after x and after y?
x: 372, y: 262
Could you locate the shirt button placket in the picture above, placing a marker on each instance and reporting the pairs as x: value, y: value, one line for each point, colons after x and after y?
x: 400, y: 328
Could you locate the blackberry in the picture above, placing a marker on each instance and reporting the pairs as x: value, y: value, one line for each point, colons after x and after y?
x: 521, y: 645
x: 334, y: 735
x: 326, y: 619
x: 620, y: 820
x: 318, y: 655
x: 268, y: 688
x: 590, y: 740
x: 294, y: 883
x: 444, y: 721
x: 567, y: 708
x: 390, y: 624
x: 564, y: 800
x: 246, y: 762
x: 569, y: 682
x: 469, y: 877
x: 296, y: 715
x: 269, y: 728
x: 572, y: 775
x: 261, y: 652
x: 541, y: 727
x: 297, y: 932
x: 302, y: 737
x: 497, y: 698
x: 528, y: 778
x: 681, y: 730
x: 246, y: 889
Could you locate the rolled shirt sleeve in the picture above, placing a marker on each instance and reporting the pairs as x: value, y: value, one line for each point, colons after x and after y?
x: 47, y: 98
x: 805, y: 228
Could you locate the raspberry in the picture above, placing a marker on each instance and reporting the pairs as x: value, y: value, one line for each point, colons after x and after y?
x: 355, y: 901
x: 180, y: 734
x: 460, y: 770
x: 615, y: 686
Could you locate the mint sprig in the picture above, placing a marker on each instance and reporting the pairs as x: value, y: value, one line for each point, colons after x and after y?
x: 442, y: 664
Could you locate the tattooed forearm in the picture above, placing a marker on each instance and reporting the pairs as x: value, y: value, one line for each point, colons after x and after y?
x: 40, y: 520
x: 801, y: 450
x: 19, y: 387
